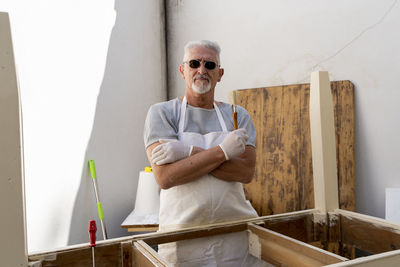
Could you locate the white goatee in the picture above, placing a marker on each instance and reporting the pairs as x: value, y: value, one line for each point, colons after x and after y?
x: 203, y: 88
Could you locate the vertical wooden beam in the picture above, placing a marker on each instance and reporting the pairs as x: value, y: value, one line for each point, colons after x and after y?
x: 323, y: 143
x: 127, y: 254
x: 13, y: 248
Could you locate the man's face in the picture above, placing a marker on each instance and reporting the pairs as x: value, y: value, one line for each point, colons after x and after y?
x: 201, y: 80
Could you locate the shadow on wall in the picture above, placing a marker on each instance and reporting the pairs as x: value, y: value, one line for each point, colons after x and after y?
x: 116, y: 142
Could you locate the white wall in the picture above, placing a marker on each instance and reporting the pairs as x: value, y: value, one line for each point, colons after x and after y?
x: 88, y: 72
x: 266, y: 43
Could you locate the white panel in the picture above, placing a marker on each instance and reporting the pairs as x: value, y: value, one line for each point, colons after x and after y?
x: 393, y: 205
x: 13, y: 249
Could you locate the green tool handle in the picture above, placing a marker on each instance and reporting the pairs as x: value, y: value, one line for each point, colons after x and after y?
x: 100, y: 211
x: 92, y: 169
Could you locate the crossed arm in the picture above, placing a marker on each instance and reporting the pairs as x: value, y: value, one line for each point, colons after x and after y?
x: 201, y: 162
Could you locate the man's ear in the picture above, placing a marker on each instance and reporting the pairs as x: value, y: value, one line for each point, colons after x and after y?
x: 182, y: 71
x: 221, y: 73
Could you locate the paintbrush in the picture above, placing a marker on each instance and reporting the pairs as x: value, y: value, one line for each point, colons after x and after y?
x: 233, y: 100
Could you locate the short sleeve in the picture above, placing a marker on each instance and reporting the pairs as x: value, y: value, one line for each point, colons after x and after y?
x: 244, y: 121
x: 161, y: 122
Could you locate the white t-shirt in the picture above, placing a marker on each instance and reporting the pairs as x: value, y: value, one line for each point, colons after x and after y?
x: 162, y: 121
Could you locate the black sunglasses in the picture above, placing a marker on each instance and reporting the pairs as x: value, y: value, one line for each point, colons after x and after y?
x: 194, y: 64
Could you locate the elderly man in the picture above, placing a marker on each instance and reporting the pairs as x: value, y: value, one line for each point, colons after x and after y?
x: 200, y: 163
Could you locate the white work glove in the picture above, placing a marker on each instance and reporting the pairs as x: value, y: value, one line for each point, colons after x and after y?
x: 170, y: 150
x: 234, y: 143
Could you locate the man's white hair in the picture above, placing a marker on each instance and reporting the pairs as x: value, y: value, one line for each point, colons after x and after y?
x: 202, y: 43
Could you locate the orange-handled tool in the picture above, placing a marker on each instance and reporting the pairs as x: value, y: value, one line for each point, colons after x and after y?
x: 233, y: 100
x: 92, y: 237
x: 234, y: 116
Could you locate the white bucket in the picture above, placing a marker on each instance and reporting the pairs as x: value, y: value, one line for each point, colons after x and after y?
x: 148, y: 194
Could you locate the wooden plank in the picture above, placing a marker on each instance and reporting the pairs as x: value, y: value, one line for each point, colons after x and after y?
x: 282, y: 250
x: 192, y: 234
x: 368, y: 233
x: 13, y: 248
x: 258, y: 186
x: 106, y: 255
x: 141, y: 228
x: 343, y: 100
x: 214, y: 229
x: 278, y: 185
x: 283, y: 175
x: 146, y: 256
x: 323, y: 143
x: 76, y: 247
x: 388, y: 259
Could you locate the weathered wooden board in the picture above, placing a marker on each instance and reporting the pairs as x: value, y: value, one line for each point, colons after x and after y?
x: 369, y: 236
x: 283, y: 179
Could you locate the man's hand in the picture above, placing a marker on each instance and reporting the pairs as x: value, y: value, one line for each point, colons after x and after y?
x: 234, y: 143
x: 170, y: 150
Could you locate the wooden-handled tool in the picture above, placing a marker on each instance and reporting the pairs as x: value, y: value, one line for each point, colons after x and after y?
x: 233, y: 100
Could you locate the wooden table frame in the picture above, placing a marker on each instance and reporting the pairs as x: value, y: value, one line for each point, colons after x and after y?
x: 337, y: 230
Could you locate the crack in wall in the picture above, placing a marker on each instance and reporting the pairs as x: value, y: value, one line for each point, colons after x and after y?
x: 352, y: 40
x: 358, y: 36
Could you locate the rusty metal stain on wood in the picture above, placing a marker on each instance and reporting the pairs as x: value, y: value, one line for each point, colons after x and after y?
x: 283, y: 177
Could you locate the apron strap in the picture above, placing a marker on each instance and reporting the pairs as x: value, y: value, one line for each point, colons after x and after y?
x: 183, y: 114
x: 220, y: 118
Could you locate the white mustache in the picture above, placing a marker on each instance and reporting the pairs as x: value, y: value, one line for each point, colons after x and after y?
x: 201, y: 76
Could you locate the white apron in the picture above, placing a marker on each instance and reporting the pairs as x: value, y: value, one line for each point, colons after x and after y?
x: 203, y: 201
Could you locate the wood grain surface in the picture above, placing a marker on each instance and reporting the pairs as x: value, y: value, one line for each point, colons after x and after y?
x: 369, y: 236
x: 283, y: 179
